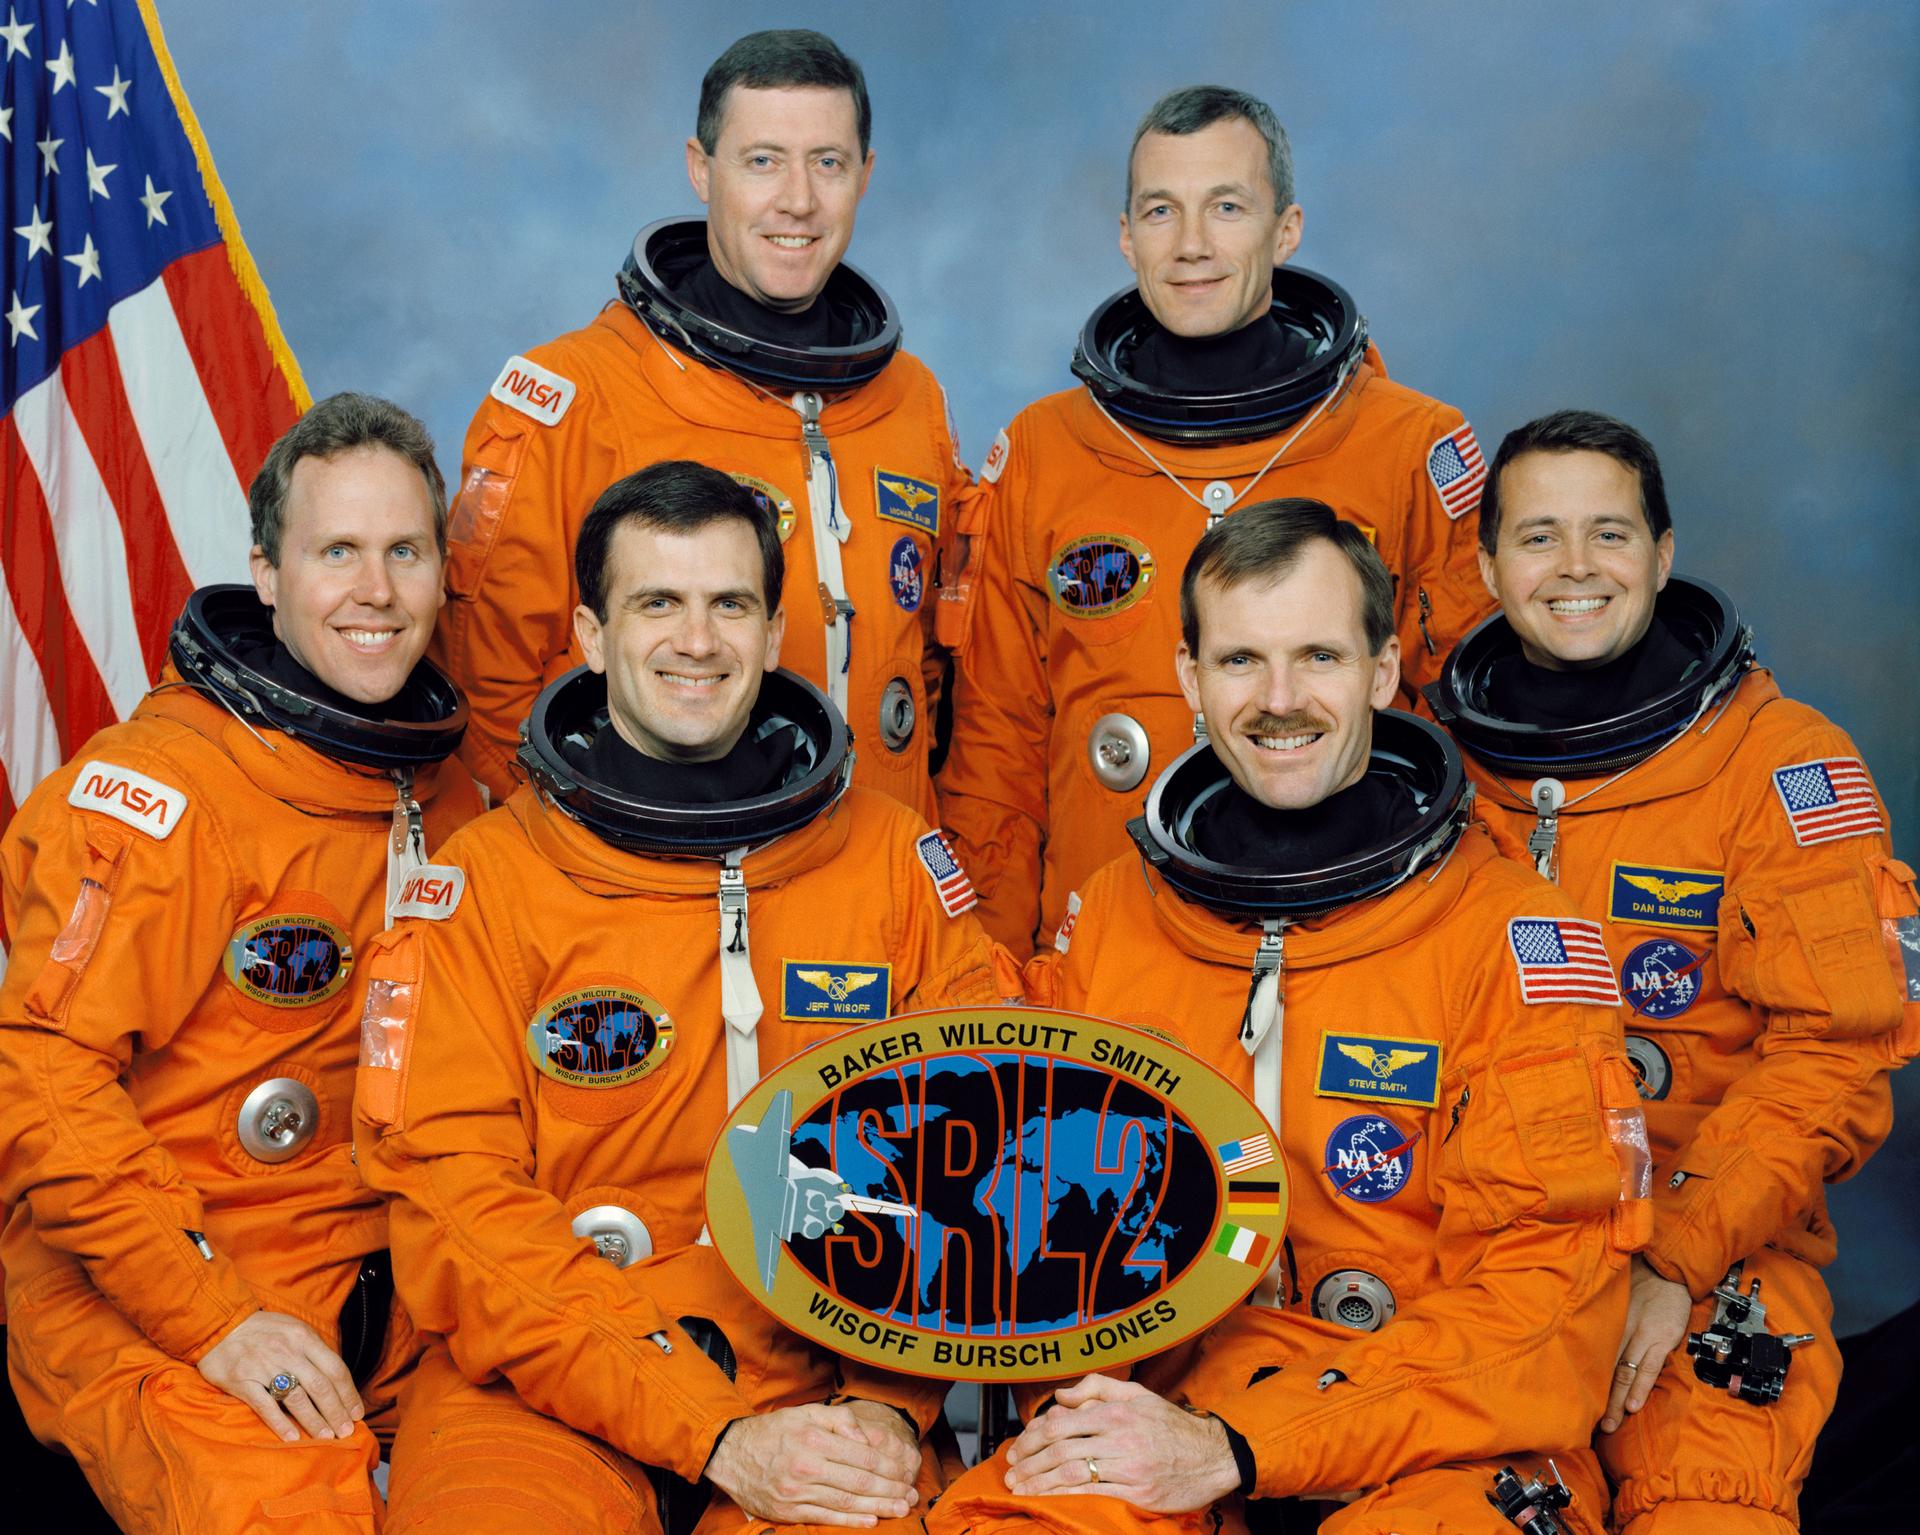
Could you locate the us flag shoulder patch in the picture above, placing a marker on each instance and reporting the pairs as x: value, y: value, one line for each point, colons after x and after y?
x: 1562, y: 959
x: 1828, y: 800
x: 1458, y: 470
x: 950, y: 881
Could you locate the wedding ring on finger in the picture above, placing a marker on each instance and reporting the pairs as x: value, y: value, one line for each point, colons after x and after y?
x: 283, y: 1385
x: 1093, y: 1469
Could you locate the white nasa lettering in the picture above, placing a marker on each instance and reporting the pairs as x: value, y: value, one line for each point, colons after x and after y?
x: 143, y: 803
x: 533, y: 390
x: 432, y: 891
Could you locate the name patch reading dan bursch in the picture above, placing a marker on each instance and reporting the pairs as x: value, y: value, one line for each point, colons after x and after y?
x: 1006, y: 1194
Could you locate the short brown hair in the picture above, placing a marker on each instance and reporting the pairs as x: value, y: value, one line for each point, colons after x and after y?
x: 339, y: 424
x: 675, y: 495
x: 1265, y: 541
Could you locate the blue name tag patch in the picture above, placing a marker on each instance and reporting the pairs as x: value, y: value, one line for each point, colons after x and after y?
x: 1373, y: 1069
x: 834, y: 991
x: 1650, y: 896
x: 902, y: 498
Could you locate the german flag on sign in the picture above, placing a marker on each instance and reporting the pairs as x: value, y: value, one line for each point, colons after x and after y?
x: 1251, y: 1198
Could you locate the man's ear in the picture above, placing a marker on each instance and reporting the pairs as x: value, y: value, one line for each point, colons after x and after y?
x: 1187, y: 669
x: 265, y: 577
x: 1386, y: 673
x: 776, y: 632
x: 588, y: 631
x: 699, y: 168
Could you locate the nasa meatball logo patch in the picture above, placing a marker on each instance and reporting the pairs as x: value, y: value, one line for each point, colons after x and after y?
x: 772, y: 500
x: 902, y: 498
x: 1099, y: 576
x: 904, y: 574
x: 290, y: 959
x: 1661, y: 978
x: 599, y: 1036
x: 1369, y: 1159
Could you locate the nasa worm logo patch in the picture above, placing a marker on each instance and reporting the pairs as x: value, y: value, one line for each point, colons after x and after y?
x: 599, y: 1036
x: 1009, y: 1194
x: 1099, y: 576
x: 291, y: 959
x: 1369, y: 1158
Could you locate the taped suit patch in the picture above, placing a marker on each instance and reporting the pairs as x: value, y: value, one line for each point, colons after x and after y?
x: 143, y: 803
x: 533, y: 390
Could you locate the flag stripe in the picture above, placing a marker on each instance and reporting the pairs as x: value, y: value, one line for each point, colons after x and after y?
x: 57, y: 667
x: 29, y: 734
x: 194, y: 462
x: 91, y: 374
x: 87, y: 539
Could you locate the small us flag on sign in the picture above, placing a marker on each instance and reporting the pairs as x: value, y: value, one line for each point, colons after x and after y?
x: 1457, y: 470
x: 1828, y: 800
x: 1562, y: 959
x: 1238, y: 1156
x: 950, y: 881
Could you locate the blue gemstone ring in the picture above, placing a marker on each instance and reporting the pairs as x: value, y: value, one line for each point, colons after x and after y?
x: 283, y: 1386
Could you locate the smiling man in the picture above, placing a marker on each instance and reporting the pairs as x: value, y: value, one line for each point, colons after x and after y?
x: 1732, y: 849
x: 197, y: 1281
x: 1441, y: 1071
x: 642, y: 927
x: 1226, y: 375
x: 744, y: 341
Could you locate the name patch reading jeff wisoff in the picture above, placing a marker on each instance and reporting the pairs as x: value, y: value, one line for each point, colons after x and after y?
x: 1008, y: 1194
x: 824, y: 990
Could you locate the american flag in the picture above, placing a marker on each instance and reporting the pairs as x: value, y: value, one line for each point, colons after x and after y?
x: 1457, y: 470
x: 949, y: 879
x: 1828, y: 800
x: 1562, y: 959
x: 142, y: 378
x: 1238, y: 1156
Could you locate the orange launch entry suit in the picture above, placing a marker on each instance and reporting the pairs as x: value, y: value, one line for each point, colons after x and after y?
x: 1764, y: 1011
x: 188, y: 904
x: 554, y: 1377
x: 1467, y: 1153
x: 1068, y: 613
x: 575, y: 415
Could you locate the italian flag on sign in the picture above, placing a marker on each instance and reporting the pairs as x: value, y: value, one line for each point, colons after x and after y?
x: 1242, y: 1245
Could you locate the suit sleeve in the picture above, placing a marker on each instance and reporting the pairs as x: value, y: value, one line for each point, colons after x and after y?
x: 508, y: 623
x: 1803, y: 940
x: 1441, y: 594
x: 993, y: 789
x: 444, y: 1119
x: 1510, y: 1348
x: 949, y: 552
x: 116, y: 936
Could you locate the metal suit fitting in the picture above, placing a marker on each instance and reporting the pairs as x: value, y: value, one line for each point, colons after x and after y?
x: 278, y: 1119
x: 897, y: 715
x: 1118, y: 750
x: 1354, y: 1298
x: 1531, y: 1506
x: 617, y: 1234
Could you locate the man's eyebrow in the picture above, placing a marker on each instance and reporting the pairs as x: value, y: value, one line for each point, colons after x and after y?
x: 1161, y: 194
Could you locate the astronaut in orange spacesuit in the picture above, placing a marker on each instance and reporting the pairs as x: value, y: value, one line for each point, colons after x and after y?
x: 1731, y: 847
x: 687, y: 891
x: 1227, y: 377
x: 197, y: 1284
x: 1439, y: 1056
x: 745, y: 342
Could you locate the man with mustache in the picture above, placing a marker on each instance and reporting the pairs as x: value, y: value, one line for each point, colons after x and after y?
x: 1735, y: 854
x: 744, y: 341
x: 1438, y: 1059
x: 1225, y: 377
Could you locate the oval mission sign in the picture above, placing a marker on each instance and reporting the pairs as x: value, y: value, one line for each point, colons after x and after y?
x: 1003, y: 1193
